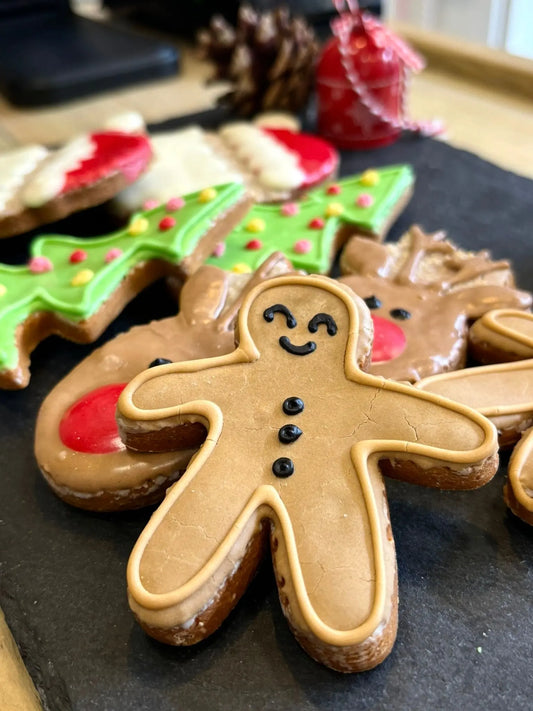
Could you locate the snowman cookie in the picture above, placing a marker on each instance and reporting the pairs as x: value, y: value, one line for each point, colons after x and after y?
x: 295, y: 437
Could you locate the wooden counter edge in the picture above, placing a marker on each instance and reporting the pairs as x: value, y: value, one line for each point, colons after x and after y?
x: 17, y: 692
x: 500, y: 70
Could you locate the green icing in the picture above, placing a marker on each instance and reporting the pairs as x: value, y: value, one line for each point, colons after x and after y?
x: 25, y: 292
x: 282, y: 232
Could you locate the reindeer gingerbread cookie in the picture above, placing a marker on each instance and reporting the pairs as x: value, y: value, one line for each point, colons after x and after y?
x: 503, y: 392
x: 423, y: 293
x: 295, y: 437
x: 77, y: 444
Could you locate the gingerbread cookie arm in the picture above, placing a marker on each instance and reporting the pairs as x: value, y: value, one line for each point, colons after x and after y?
x: 502, y: 335
x: 518, y: 490
x: 503, y: 393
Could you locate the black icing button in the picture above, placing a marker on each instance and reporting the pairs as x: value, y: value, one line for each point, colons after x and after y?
x: 293, y: 406
x: 159, y: 361
x: 289, y: 433
x: 283, y: 467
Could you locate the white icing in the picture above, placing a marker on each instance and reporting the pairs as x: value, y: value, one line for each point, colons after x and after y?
x: 273, y: 165
x: 15, y: 165
x: 128, y: 122
x: 183, y: 162
x: 48, y: 180
x: 277, y: 119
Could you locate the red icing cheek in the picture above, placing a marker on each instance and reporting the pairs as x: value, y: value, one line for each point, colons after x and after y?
x: 389, y: 340
x: 89, y: 425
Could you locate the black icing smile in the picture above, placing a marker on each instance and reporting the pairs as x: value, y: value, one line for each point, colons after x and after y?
x: 306, y: 349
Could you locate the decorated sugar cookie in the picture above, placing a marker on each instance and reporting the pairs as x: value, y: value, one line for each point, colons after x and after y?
x: 76, y: 286
x: 274, y: 164
x: 310, y: 231
x: 423, y: 293
x: 40, y: 186
x: 77, y: 445
x: 503, y: 392
x: 295, y: 437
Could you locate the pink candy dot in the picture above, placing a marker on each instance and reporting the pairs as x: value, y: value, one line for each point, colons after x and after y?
x: 317, y: 223
x: 303, y: 246
x: 150, y: 204
x: 78, y: 255
x: 219, y: 249
x: 39, y: 265
x: 334, y: 189
x: 254, y: 244
x: 167, y: 223
x: 112, y: 254
x: 289, y: 209
x: 364, y: 200
x: 175, y: 203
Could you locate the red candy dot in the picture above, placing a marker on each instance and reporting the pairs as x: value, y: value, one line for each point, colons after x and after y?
x: 317, y: 223
x: 167, y: 223
x: 78, y: 255
x: 40, y: 265
x: 389, y: 340
x: 89, y: 425
x: 254, y: 244
x: 334, y: 189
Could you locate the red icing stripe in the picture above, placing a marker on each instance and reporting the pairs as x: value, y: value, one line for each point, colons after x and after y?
x: 113, y: 152
x: 317, y: 158
x: 89, y: 425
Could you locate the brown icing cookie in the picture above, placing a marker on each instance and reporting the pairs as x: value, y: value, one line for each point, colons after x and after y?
x: 41, y: 186
x: 423, y: 292
x: 502, y: 335
x: 77, y: 445
x: 296, y: 435
x: 503, y: 392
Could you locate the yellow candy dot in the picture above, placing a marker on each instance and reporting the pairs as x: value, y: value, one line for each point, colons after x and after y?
x: 81, y: 278
x: 369, y: 177
x: 334, y: 209
x: 241, y: 268
x: 3, y: 289
x: 256, y: 225
x: 207, y: 194
x: 138, y: 226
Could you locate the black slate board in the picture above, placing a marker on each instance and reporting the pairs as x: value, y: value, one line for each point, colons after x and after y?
x: 465, y: 564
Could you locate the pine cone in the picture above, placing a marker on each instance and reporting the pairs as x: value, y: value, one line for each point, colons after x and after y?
x: 269, y: 58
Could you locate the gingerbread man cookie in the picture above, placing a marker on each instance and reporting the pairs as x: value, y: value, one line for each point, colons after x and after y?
x: 40, y: 186
x: 77, y: 445
x: 296, y: 436
x: 423, y: 293
x: 503, y: 392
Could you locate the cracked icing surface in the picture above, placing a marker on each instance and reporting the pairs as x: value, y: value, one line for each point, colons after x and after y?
x: 331, y: 544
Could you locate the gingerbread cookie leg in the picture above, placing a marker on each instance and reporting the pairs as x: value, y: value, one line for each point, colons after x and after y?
x: 77, y: 445
x: 288, y: 446
x: 502, y: 335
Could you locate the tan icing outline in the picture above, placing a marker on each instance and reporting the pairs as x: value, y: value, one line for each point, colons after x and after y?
x: 361, y: 453
x: 468, y: 374
x: 521, y: 454
x: 491, y: 321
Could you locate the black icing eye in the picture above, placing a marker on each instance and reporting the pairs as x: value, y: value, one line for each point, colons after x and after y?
x: 159, y: 361
x: 268, y: 314
x: 326, y: 319
x: 372, y: 302
x: 400, y: 314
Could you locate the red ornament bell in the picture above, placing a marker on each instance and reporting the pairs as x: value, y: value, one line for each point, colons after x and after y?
x: 361, y: 83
